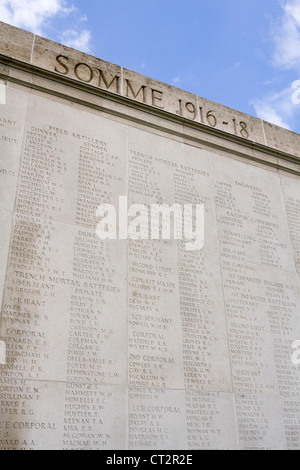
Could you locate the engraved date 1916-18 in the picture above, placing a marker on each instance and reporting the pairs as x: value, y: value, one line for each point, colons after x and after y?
x: 208, y: 117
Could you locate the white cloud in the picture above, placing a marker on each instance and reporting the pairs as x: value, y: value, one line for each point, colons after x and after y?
x: 276, y: 108
x: 280, y: 108
x: 292, y: 8
x: 31, y: 14
x: 176, y: 80
x: 36, y: 16
x: 77, y: 40
x: 286, y: 37
x: 265, y: 112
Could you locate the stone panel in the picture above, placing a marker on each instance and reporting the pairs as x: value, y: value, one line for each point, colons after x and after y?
x: 156, y: 419
x: 260, y: 422
x: 211, y: 421
x: 291, y: 194
x: 15, y: 42
x: 186, y: 281
x: 12, y: 119
x: 61, y: 416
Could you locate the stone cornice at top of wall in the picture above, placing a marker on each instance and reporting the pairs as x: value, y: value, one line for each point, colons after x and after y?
x: 70, y: 63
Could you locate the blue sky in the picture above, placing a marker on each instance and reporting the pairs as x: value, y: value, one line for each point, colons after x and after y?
x: 245, y: 55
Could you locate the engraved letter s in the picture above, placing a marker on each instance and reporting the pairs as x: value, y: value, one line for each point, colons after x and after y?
x: 59, y: 60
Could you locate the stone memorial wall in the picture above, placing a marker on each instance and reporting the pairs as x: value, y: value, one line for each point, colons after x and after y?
x: 141, y: 344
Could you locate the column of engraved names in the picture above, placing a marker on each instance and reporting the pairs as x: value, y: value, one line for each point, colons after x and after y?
x: 86, y: 337
x: 12, y: 117
x: 291, y: 406
x: 259, y: 422
x: 156, y: 419
x: 98, y: 178
x: 256, y: 263
x: 252, y: 422
x: 88, y: 423
x: 262, y: 311
x: 291, y: 419
x: 250, y: 337
x: 89, y: 360
x: 153, y: 357
x: 204, y: 336
x: 94, y: 328
x: 195, y: 305
x: 210, y: 420
x: 22, y: 425
x: 94, y: 269
x: 14, y: 394
x: 91, y: 357
x: 29, y: 287
x: 250, y: 230
x: 43, y: 167
x: 293, y: 217
x: 284, y: 302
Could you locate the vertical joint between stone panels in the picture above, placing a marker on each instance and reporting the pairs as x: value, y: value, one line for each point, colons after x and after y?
x: 122, y: 81
x: 236, y: 422
x: 264, y: 132
x: 288, y: 228
x: 32, y: 49
x: 229, y: 348
x: 198, y: 110
x: 13, y: 215
x: 127, y: 295
x: 222, y: 286
x: 225, y: 311
x: 5, y: 272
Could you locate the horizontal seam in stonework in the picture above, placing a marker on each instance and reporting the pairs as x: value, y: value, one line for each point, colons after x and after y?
x: 183, y: 136
x: 142, y: 387
x: 212, y: 145
x: 40, y: 220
